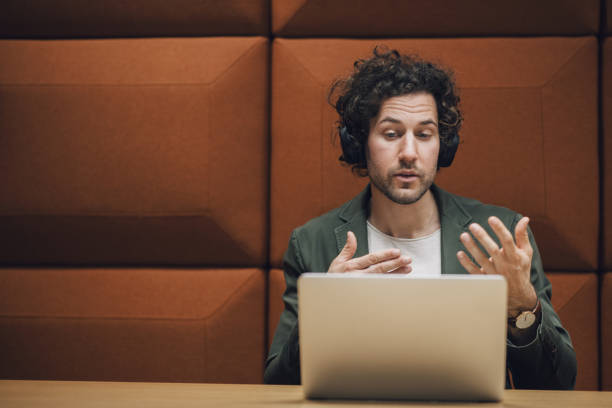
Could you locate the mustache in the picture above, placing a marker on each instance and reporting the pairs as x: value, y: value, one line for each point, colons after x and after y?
x: 406, y: 166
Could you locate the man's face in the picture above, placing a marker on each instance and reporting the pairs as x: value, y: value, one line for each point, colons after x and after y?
x: 403, y: 146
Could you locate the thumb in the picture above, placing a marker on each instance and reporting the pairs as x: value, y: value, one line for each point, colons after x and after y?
x: 349, y: 248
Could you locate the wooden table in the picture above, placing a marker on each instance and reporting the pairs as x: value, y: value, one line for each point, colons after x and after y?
x: 67, y: 394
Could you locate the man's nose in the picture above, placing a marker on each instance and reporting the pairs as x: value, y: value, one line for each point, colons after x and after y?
x: 408, y: 148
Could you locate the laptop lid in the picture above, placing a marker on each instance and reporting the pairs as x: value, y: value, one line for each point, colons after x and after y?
x: 402, y: 337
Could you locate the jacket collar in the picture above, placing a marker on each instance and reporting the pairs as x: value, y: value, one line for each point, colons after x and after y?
x: 454, y: 220
x: 355, y: 215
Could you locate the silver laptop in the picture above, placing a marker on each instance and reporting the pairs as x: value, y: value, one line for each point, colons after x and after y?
x: 402, y: 337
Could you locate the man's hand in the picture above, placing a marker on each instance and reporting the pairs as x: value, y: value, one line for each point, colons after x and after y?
x: 387, y: 261
x: 513, y: 260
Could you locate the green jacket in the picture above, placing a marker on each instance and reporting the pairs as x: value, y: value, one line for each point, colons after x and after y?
x: 547, y: 362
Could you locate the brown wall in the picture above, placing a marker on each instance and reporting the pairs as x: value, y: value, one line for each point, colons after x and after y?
x: 154, y: 159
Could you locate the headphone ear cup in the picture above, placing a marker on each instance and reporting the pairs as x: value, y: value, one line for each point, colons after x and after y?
x: 350, y: 146
x: 447, y: 151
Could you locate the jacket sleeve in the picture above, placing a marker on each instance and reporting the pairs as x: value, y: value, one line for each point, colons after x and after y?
x: 549, y: 361
x: 283, y: 362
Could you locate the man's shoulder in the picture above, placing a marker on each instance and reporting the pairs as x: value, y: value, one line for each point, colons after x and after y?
x: 351, y: 212
x: 316, y: 243
x: 478, y: 210
x: 324, y: 222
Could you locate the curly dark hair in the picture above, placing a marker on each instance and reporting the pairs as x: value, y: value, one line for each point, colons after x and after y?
x: 387, y: 74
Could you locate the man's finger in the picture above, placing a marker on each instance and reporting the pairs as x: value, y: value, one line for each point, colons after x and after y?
x: 402, y: 270
x: 388, y: 266
x: 374, y: 258
x: 349, y: 248
x: 522, y: 236
x: 467, y: 263
x: 471, y: 246
x: 485, y: 239
x: 505, y: 237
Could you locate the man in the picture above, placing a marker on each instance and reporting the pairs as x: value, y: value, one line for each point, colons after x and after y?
x: 399, y: 123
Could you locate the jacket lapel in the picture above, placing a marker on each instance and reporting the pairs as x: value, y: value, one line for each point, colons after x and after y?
x: 355, y: 216
x: 454, y: 220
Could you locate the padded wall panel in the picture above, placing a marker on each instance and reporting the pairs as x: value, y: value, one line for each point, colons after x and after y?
x: 516, y: 151
x: 134, y: 18
x: 575, y: 301
x: 606, y: 332
x: 132, y: 324
x: 607, y: 162
x: 134, y: 151
x: 365, y: 18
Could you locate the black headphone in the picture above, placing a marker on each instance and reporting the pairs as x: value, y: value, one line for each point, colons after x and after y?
x: 352, y: 150
x: 447, y: 151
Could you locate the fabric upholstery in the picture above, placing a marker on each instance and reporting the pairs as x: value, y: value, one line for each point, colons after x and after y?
x: 606, y: 331
x: 607, y: 144
x: 439, y: 18
x: 148, y: 151
x: 139, y: 204
x: 514, y: 91
x: 132, y: 324
x: 134, y: 18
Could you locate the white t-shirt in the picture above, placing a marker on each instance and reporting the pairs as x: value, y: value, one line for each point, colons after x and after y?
x: 424, y: 251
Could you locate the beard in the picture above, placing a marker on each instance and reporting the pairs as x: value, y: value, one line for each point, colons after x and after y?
x: 398, y: 191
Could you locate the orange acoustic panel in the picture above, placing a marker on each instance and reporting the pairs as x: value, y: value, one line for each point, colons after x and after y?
x: 525, y: 101
x: 606, y: 332
x: 134, y: 18
x: 575, y: 301
x: 365, y: 18
x: 607, y: 142
x: 148, y: 151
x: 197, y: 325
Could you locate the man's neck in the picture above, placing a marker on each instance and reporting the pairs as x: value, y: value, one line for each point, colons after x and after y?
x: 404, y: 220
